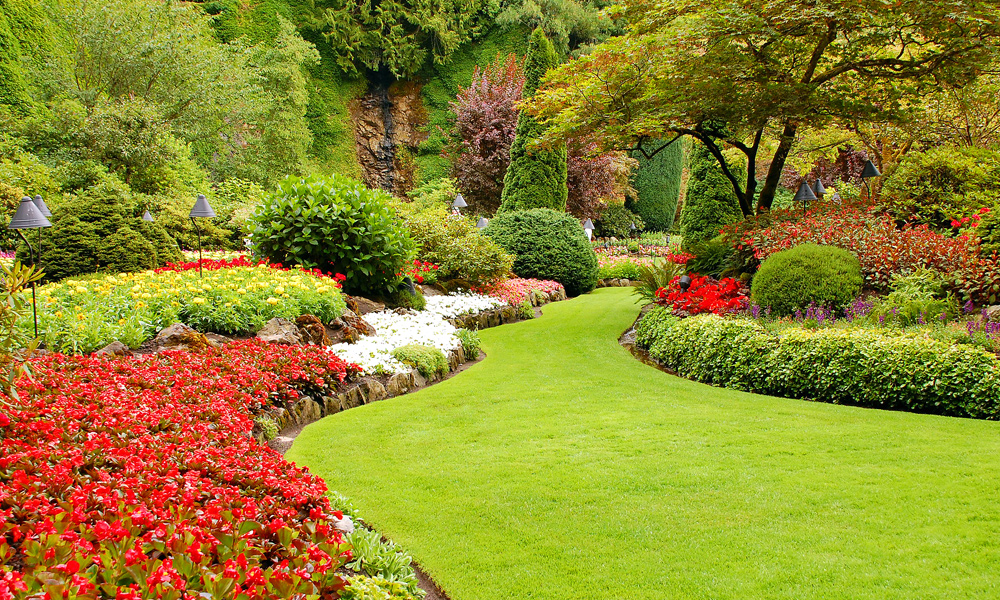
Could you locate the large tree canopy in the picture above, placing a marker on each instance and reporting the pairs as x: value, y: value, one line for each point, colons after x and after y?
x: 736, y: 72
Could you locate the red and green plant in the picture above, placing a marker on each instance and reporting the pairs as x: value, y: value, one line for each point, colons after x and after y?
x: 422, y: 271
x: 138, y: 478
x: 704, y: 295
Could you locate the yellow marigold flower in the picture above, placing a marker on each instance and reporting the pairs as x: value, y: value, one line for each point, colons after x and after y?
x: 81, y: 317
x: 272, y: 301
x: 146, y: 295
x: 59, y: 314
x: 279, y: 290
x: 198, y: 300
x: 121, y: 321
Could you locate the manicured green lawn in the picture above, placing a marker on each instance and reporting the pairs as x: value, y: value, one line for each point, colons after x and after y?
x: 562, y: 468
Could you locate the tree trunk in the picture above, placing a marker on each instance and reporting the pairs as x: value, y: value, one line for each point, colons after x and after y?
x: 777, y: 166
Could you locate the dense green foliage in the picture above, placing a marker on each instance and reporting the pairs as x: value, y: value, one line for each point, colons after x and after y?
x: 657, y: 182
x: 470, y: 343
x: 335, y: 224
x: 455, y: 244
x: 658, y: 274
x: 714, y: 257
x: 100, y: 230
x: 943, y: 183
x: 710, y: 203
x: 547, y: 244
x: 793, y: 279
x: 536, y: 177
x: 618, y: 221
x: 915, y: 298
x: 428, y: 360
x: 855, y: 366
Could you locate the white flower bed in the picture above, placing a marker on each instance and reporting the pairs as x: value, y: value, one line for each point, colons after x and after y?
x: 373, y: 353
x: 451, y: 306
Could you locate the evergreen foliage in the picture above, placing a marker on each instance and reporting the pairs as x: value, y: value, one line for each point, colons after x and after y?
x: 617, y: 220
x: 547, y: 244
x: 536, y: 178
x: 568, y: 23
x: 657, y: 183
x: 21, y: 25
x: 710, y: 203
x: 792, y: 279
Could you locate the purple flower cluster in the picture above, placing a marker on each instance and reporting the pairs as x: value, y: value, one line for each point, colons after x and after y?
x: 990, y: 329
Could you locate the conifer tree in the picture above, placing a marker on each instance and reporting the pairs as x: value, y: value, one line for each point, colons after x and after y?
x: 536, y: 178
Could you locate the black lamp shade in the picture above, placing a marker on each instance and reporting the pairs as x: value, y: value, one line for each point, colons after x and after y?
x: 147, y: 217
x: 805, y: 193
x: 818, y: 188
x: 482, y: 223
x: 459, y: 202
x: 684, y: 282
x: 588, y: 224
x: 202, y: 208
x: 28, y: 216
x: 40, y: 204
x: 870, y: 170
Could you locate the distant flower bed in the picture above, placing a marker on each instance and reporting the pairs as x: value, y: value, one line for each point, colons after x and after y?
x: 212, y: 254
x: 515, y: 291
x: 373, y: 353
x: 81, y: 315
x: 453, y: 305
x: 210, y: 264
x: 137, y: 478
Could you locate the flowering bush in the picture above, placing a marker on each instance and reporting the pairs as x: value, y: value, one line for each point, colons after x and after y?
x: 449, y: 307
x: 83, y: 315
x: 421, y: 271
x: 516, y: 290
x: 137, y: 478
x: 374, y: 352
x: 704, y: 295
x: 882, y: 248
x: 612, y: 263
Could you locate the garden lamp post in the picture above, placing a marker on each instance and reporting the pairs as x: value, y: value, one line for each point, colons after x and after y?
x: 40, y: 205
x: 28, y: 216
x: 482, y: 223
x: 818, y: 189
x: 147, y: 217
x: 867, y: 173
x: 202, y: 209
x: 588, y: 226
x: 458, y: 204
x: 684, y: 282
x: 631, y: 228
x: 804, y: 195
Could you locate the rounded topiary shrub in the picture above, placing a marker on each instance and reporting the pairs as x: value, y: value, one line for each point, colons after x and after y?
x: 335, y: 224
x: 126, y: 251
x: 792, y: 279
x: 547, y: 244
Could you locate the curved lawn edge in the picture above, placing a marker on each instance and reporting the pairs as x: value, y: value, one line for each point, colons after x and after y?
x: 561, y: 467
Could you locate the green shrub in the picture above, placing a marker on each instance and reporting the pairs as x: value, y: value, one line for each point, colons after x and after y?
x: 267, y: 426
x: 454, y: 244
x: 616, y: 221
x: 126, y: 251
x: 525, y: 310
x: 915, y: 298
x: 402, y: 298
x: 657, y: 183
x: 470, y: 343
x: 714, y: 258
x: 336, y: 224
x: 654, y: 276
x: 360, y: 587
x: 536, y: 177
x: 710, y: 202
x: 792, y: 279
x: 172, y: 215
x: 382, y: 560
x: 844, y: 366
x: 621, y: 269
x: 428, y: 360
x: 547, y: 245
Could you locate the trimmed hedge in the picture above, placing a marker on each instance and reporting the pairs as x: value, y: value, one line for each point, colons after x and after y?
x: 547, y: 244
x: 809, y: 273
x: 657, y: 183
x: 858, y: 367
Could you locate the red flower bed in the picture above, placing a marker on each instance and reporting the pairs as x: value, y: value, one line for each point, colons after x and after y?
x: 137, y: 478
x: 421, y: 271
x: 882, y: 248
x: 704, y: 295
x: 514, y: 291
x: 208, y: 264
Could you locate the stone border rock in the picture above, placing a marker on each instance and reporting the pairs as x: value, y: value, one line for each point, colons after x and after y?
x: 614, y: 283
x: 365, y: 390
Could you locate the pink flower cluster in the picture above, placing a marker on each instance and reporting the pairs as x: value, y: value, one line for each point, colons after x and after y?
x: 515, y: 291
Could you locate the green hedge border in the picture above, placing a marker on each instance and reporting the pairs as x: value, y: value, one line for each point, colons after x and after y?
x: 857, y: 367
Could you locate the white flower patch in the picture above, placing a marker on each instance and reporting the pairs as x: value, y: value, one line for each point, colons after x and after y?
x: 460, y: 304
x: 373, y: 353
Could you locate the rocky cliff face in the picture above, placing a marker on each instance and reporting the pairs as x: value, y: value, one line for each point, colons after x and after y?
x: 387, y: 129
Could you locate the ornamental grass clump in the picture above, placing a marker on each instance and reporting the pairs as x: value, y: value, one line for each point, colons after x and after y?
x: 82, y: 315
x: 793, y: 279
x: 428, y: 360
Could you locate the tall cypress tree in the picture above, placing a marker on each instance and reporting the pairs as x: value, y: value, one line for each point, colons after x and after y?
x: 710, y: 203
x: 535, y: 178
